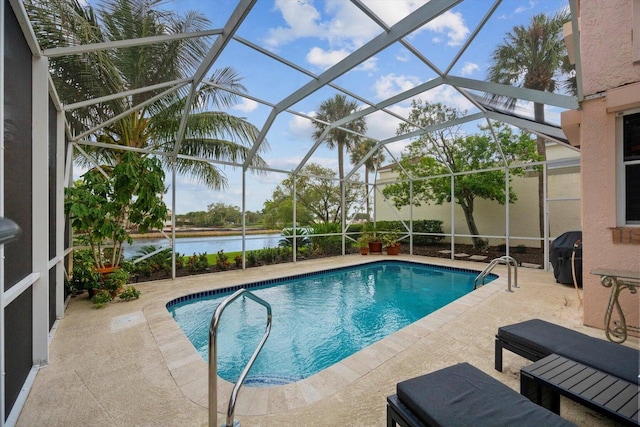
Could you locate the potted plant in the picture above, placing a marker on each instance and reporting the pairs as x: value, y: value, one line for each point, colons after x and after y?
x: 390, y: 242
x: 375, y: 245
x: 83, y: 273
x: 108, y: 201
x: 363, y: 243
x: 129, y: 293
x: 115, y: 281
x: 101, y: 299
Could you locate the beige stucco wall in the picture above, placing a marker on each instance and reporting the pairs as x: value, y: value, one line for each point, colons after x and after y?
x: 490, y: 215
x: 606, y: 45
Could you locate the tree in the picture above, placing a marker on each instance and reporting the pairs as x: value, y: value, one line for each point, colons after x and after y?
x: 104, y: 204
x: 196, y: 219
x: 532, y: 57
x: 278, y: 210
x: 334, y: 109
x: 318, y: 198
x: 210, y: 133
x: 358, y: 152
x: 449, y: 150
x: 223, y: 213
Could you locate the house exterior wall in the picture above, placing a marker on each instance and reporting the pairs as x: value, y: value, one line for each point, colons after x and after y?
x: 611, y: 83
x: 490, y: 215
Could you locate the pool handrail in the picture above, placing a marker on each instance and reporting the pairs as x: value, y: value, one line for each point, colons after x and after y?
x: 213, y: 358
x: 508, y: 261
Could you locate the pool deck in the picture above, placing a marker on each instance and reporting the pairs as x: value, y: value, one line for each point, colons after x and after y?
x: 130, y: 364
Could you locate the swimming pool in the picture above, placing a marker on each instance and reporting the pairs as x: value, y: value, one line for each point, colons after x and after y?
x: 318, y: 318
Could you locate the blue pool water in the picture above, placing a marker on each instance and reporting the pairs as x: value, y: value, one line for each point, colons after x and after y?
x: 318, y: 319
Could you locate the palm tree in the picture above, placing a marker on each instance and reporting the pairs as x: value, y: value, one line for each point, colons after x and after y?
x: 374, y: 161
x: 532, y: 57
x: 210, y: 133
x: 334, y: 109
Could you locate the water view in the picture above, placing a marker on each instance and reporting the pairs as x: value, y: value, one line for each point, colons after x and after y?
x: 210, y: 244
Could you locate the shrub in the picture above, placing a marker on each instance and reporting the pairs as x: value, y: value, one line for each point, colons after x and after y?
x: 252, y: 258
x: 267, y: 255
x: 427, y: 226
x: 419, y: 226
x: 302, y: 238
x: 304, y: 252
x: 129, y: 293
x: 101, y: 299
x: 222, y: 261
x: 197, y: 263
x: 285, y: 254
x: 520, y: 249
x: 84, y: 275
x: 116, y: 279
x: 327, y: 245
x: 158, y: 262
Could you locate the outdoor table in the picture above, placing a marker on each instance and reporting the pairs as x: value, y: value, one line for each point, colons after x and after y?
x: 545, y: 380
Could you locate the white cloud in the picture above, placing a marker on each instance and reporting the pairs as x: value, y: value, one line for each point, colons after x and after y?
x: 449, y: 23
x: 452, y: 24
x: 283, y: 163
x: 381, y: 125
x: 247, y: 105
x: 403, y: 57
x: 391, y: 84
x: 392, y: 11
x: 345, y: 26
x: 302, y: 20
x: 370, y: 64
x: 396, y: 149
x: 325, y: 59
x: 300, y: 128
x: 468, y: 68
x: 521, y: 9
x: 290, y: 163
x: 446, y: 95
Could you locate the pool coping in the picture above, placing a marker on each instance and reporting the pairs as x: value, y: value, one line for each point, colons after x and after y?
x: 190, y: 372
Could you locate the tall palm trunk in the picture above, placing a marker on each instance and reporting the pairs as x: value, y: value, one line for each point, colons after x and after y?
x: 341, y: 175
x: 538, y: 112
x: 366, y: 190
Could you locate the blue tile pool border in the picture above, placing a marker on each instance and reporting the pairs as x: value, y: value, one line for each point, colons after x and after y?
x: 268, y: 282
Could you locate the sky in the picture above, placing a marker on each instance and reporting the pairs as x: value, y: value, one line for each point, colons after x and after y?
x: 316, y: 35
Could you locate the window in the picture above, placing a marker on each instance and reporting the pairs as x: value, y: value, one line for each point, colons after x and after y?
x: 629, y: 178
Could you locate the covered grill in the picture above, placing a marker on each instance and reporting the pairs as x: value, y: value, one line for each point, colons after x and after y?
x: 562, y: 250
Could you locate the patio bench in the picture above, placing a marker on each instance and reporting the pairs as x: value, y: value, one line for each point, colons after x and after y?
x: 461, y: 395
x: 536, y: 339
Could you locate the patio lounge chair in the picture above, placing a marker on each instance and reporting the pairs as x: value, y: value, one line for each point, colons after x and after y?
x: 536, y: 339
x: 461, y: 395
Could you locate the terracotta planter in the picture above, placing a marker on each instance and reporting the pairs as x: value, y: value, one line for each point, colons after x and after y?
x: 375, y: 247
x: 393, y: 250
x: 364, y: 251
x: 106, y: 270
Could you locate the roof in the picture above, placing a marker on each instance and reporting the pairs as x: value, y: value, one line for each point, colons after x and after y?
x: 296, y: 85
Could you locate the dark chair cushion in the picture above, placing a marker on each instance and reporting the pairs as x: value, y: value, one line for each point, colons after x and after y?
x: 615, y: 359
x: 461, y: 395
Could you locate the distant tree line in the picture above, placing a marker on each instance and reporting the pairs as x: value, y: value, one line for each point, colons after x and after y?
x: 218, y: 215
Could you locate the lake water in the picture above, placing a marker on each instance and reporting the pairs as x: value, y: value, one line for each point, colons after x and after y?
x: 210, y: 245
